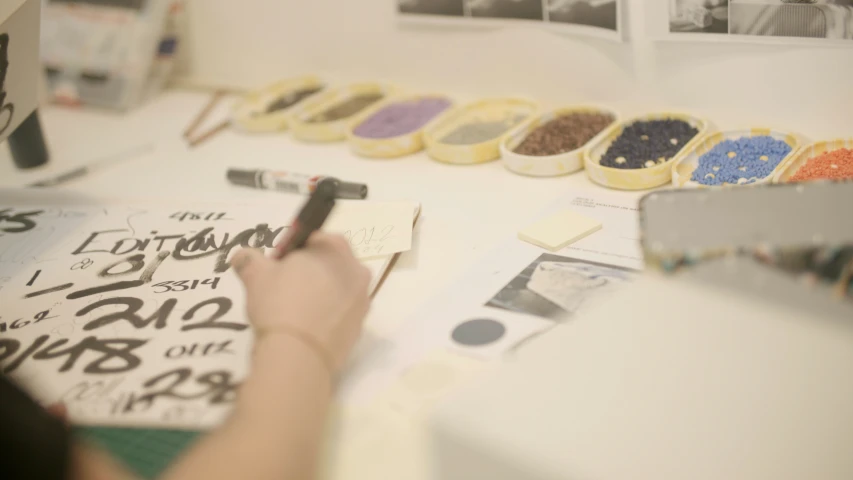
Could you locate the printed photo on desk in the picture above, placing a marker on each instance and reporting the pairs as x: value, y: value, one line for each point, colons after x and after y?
x: 517, y: 292
x: 557, y: 288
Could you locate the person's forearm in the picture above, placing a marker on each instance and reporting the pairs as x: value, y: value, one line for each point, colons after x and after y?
x: 276, y: 428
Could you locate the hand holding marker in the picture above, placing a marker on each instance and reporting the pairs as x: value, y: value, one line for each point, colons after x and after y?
x: 294, y: 183
x: 310, y: 218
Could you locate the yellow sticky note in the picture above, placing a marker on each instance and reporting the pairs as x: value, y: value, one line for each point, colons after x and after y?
x: 559, y: 230
x: 374, y: 229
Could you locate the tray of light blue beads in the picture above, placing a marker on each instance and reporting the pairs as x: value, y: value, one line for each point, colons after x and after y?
x: 739, y: 157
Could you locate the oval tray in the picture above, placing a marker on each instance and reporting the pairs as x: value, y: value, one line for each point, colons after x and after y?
x: 250, y: 112
x: 549, y: 165
x: 639, y: 178
x: 804, y: 154
x: 334, y: 130
x: 688, y: 160
x: 397, y: 146
x: 484, y: 110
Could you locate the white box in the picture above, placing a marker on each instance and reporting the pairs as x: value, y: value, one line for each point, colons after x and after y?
x: 19, y: 62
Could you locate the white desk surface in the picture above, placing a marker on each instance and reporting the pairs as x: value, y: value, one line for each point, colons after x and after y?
x: 465, y: 209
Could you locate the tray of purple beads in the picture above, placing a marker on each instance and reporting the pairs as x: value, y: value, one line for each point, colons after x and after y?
x: 395, y: 127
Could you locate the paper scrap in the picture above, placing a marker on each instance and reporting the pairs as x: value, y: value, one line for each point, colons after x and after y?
x: 374, y: 228
x: 559, y: 230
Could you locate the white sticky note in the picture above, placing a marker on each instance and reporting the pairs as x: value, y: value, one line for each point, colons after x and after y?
x: 374, y: 229
x: 559, y: 230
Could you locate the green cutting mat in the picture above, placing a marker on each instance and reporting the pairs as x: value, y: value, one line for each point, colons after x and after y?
x: 146, y: 452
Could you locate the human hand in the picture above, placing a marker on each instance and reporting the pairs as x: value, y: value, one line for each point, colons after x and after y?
x: 320, y: 292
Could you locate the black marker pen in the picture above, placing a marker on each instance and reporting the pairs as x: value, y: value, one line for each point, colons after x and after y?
x: 310, y: 218
x: 293, y: 182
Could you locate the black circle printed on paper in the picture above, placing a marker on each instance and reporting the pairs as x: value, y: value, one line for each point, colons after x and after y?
x: 478, y: 332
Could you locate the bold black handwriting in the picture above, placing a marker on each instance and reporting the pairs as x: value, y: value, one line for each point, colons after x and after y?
x: 159, y: 319
x: 132, y: 306
x: 116, y: 354
x: 25, y: 223
x: 223, y: 306
x: 112, y: 287
x: 200, y: 245
x: 217, y: 386
x: 64, y: 286
x: 33, y: 280
x: 135, y: 263
x: 260, y: 236
x: 89, y: 240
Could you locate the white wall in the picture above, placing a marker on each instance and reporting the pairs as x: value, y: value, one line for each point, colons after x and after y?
x: 247, y: 43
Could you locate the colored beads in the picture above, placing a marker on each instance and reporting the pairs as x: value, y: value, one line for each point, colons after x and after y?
x: 401, y: 118
x: 742, y: 161
x: 482, y: 131
x: 564, y: 134
x: 834, y: 165
x: 347, y: 108
x: 644, y: 144
x: 288, y: 100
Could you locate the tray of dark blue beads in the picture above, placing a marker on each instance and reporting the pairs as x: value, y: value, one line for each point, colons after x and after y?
x: 741, y: 157
x: 639, y: 153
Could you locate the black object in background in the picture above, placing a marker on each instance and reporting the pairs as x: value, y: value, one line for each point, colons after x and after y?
x: 27, y: 143
x: 33, y: 443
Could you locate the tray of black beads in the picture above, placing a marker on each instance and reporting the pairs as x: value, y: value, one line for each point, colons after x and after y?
x: 638, y: 154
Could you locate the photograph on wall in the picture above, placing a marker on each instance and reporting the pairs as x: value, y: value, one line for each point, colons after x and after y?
x: 699, y: 16
x: 597, y: 18
x: 591, y: 13
x: 452, y: 8
x: 556, y: 287
x: 519, y: 9
x: 830, y: 20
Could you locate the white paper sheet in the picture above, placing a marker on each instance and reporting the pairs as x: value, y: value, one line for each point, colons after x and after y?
x: 502, y: 301
x: 129, y: 314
